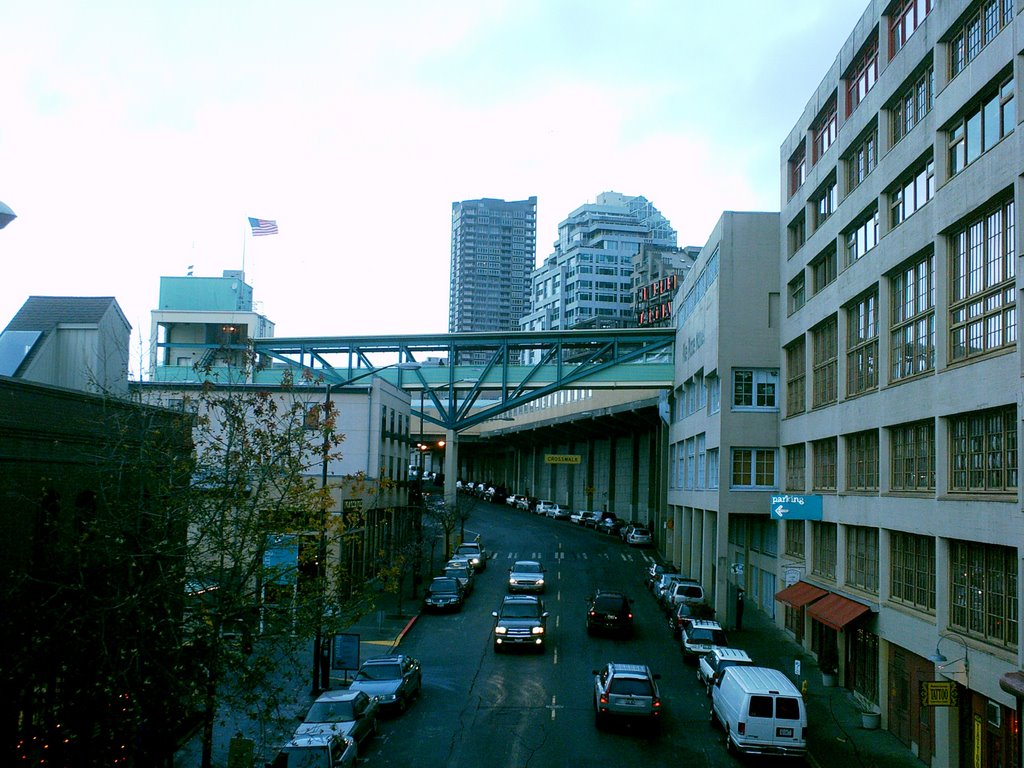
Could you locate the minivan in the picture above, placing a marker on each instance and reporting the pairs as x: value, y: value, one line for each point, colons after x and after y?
x: 761, y: 711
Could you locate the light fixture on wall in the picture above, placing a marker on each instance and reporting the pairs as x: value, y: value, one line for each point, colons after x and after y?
x: 941, y: 661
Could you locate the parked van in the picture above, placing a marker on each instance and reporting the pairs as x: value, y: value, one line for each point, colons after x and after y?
x: 761, y: 711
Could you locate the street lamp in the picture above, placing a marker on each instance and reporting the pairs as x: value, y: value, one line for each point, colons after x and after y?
x: 6, y: 215
x: 321, y: 674
x: 941, y: 662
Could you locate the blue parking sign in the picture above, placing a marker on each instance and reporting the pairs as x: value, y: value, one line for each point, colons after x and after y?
x: 793, y: 506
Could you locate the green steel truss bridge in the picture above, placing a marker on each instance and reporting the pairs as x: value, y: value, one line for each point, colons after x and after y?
x: 470, y: 378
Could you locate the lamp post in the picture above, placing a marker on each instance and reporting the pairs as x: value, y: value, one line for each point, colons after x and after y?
x: 941, y: 662
x: 321, y: 672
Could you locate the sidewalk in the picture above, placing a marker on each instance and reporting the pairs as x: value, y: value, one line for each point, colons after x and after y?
x: 836, y: 735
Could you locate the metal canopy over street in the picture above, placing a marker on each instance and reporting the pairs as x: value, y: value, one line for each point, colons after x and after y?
x: 517, y: 367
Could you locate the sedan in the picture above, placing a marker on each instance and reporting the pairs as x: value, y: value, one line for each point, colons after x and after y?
x: 526, y: 576
x: 348, y: 713
x: 444, y: 594
x: 393, y: 680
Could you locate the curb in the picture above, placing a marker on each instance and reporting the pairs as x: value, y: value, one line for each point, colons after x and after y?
x: 406, y: 628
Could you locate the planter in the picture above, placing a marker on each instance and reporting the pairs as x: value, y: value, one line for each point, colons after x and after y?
x: 870, y: 720
x: 828, y: 680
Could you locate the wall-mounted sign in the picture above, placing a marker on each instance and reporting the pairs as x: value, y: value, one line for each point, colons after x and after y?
x: 281, y: 559
x: 561, y: 458
x: 939, y: 693
x: 792, y: 506
x: 653, y: 302
x: 351, y: 505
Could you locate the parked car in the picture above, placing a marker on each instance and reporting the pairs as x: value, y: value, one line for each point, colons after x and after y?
x: 610, y: 525
x: 577, y: 517
x: 322, y: 750
x: 655, y: 572
x: 609, y: 611
x: 461, y: 570
x: 444, y: 594
x: 682, y: 591
x: 393, y: 680
x: 687, y: 612
x: 526, y: 576
x: 348, y: 713
x: 627, y: 691
x: 761, y: 711
x: 474, y: 550
x: 516, y: 501
x: 700, y: 637
x: 639, y: 537
x: 711, y: 665
x: 524, y: 503
x: 545, y: 507
x: 629, y: 526
x: 666, y: 588
x: 520, y: 621
x: 593, y: 520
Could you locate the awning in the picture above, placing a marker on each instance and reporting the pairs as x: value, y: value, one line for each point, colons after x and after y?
x: 836, y: 611
x: 1013, y: 684
x: 800, y: 594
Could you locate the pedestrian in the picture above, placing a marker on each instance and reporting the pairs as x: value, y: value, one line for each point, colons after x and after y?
x: 739, y: 609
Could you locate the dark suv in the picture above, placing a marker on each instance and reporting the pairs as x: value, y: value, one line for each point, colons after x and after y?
x: 629, y: 692
x: 520, y: 621
x: 609, y: 611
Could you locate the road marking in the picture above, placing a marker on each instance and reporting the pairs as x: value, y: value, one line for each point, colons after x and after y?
x: 554, y: 706
x: 583, y: 555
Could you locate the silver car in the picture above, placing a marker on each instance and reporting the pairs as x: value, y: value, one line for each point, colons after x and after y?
x: 526, y: 576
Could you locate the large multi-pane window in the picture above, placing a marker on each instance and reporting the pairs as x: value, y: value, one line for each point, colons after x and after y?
x: 797, y: 233
x: 982, y: 127
x: 823, y: 268
x: 824, y: 537
x: 912, y: 318
x: 911, y: 192
x: 978, y: 29
x: 983, y: 592
x: 797, y: 292
x: 755, y: 389
x: 983, y: 307
x: 825, y: 363
x: 862, y: 237
x: 753, y: 468
x: 905, y: 16
x: 702, y: 462
x: 825, y: 202
x: 862, y: 557
x: 795, y: 538
x: 862, y: 75
x: 983, y: 451
x: 862, y: 159
x: 797, y: 169
x: 862, y: 461
x: 912, y: 570
x: 912, y: 459
x: 712, y: 468
x: 862, y: 344
x: 825, y: 129
x: 796, y: 467
x: 796, y: 377
x: 913, y: 103
x: 823, y: 473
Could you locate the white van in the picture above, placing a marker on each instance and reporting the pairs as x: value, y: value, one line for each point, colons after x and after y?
x: 761, y: 711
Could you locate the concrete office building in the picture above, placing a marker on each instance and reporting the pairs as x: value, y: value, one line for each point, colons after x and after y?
x: 902, y: 372
x: 723, y: 457
x: 494, y: 250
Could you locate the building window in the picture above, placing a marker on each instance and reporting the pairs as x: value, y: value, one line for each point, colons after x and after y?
x: 862, y: 461
x: 976, y: 31
x: 911, y: 193
x: 862, y: 75
x: 755, y: 389
x: 796, y: 377
x: 823, y: 268
x: 797, y: 169
x: 714, y: 393
x: 691, y: 463
x: 753, y: 468
x: 797, y: 292
x: 795, y: 535
x: 983, y: 310
x: 797, y: 233
x: 913, y: 319
x: 823, y: 474
x: 912, y: 560
x: 862, y: 558
x: 796, y: 467
x: 905, y: 17
x: 825, y: 129
x: 912, y: 104
x: 862, y: 159
x: 862, y: 237
x: 702, y: 463
x: 825, y: 363
x: 825, y: 201
x: 983, y: 451
x: 983, y: 594
x: 712, y: 468
x: 981, y: 128
x: 862, y: 345
x: 823, y: 537
x: 913, y: 456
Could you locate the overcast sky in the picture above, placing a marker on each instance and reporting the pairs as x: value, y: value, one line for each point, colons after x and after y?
x: 136, y: 137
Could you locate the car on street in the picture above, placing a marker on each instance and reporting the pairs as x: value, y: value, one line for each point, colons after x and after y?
x: 711, y: 665
x: 444, y: 594
x: 474, y: 550
x: 639, y: 537
x: 317, y: 750
x: 515, y: 499
x: 546, y: 508
x: 627, y: 692
x: 520, y: 621
x: 610, y: 525
x: 526, y: 576
x: 682, y: 591
x: 393, y: 680
x: 665, y: 583
x: 345, y: 712
x: 700, y: 637
x: 609, y: 611
x: 684, y: 613
x: 578, y: 516
x: 463, y: 571
x: 524, y: 503
x: 655, y: 572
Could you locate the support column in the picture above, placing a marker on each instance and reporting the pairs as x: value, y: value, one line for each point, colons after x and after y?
x: 451, y: 465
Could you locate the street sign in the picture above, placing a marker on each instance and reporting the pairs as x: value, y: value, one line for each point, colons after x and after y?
x: 940, y: 693
x: 564, y: 458
x: 792, y: 506
x: 345, y: 651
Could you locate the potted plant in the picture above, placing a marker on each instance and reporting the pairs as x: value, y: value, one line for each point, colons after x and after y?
x: 870, y: 718
x: 828, y: 663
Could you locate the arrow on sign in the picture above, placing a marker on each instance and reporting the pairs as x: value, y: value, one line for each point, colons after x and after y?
x: 780, y: 511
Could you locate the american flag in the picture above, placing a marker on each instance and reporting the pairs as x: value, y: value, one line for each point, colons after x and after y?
x: 262, y: 227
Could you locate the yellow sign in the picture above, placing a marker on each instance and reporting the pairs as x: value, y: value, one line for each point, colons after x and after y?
x: 564, y: 458
x: 979, y: 733
x: 938, y: 694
